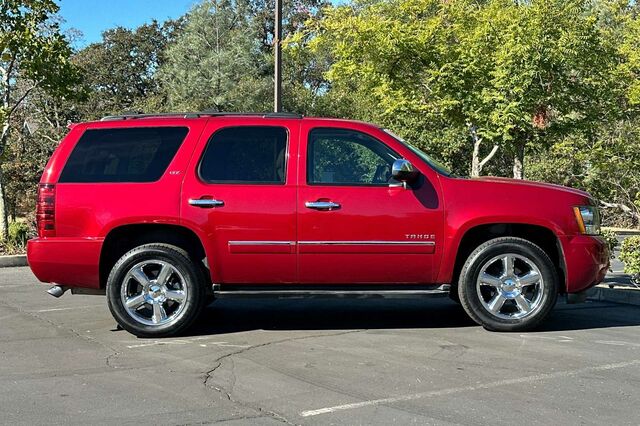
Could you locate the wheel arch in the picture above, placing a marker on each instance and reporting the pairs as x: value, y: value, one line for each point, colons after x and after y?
x: 123, y: 238
x: 543, y: 236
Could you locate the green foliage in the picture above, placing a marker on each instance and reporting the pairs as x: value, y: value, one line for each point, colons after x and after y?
x: 215, y: 62
x: 611, y: 239
x: 556, y: 79
x: 119, y: 73
x: 262, y: 18
x: 223, y: 58
x: 32, y: 47
x: 16, y: 241
x: 605, y: 163
x: 18, y: 233
x: 520, y: 72
x: 34, y: 56
x: 630, y: 69
x: 630, y: 255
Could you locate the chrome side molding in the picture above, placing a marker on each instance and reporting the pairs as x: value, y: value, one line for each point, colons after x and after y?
x: 368, y: 243
x: 262, y: 243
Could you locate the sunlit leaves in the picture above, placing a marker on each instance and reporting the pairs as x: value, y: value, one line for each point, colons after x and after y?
x: 521, y: 73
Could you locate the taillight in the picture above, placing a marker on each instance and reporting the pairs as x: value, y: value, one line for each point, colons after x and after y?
x: 45, y: 210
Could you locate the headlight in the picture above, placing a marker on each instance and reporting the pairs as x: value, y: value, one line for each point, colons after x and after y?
x: 588, y: 218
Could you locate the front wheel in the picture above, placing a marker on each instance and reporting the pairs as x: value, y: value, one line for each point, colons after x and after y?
x: 155, y: 290
x: 508, y: 284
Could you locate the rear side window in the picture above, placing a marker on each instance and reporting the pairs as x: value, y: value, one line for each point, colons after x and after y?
x: 139, y: 154
x: 251, y: 154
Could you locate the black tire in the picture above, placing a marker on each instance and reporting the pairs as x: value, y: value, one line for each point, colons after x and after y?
x: 476, y: 298
x: 184, y: 270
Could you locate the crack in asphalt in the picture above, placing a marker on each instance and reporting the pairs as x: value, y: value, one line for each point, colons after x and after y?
x: 208, y: 375
x: 228, y: 419
x: 114, y: 352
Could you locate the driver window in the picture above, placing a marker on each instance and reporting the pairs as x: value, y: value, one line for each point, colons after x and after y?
x: 347, y: 157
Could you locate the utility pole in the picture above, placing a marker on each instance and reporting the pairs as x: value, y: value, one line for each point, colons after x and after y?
x: 277, y: 93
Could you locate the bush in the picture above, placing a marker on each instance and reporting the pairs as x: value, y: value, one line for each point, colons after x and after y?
x: 630, y: 255
x: 19, y: 233
x: 611, y: 239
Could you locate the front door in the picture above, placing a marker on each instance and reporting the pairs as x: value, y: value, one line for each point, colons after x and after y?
x: 240, y: 194
x: 357, y: 225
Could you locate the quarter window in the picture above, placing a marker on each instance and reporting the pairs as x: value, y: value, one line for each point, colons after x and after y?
x: 251, y: 154
x: 347, y: 157
x: 140, y: 154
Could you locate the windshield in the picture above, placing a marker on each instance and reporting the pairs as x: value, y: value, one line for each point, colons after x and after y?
x: 434, y: 164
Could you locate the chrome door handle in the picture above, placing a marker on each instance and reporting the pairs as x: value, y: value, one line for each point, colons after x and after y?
x: 205, y: 203
x: 322, y: 205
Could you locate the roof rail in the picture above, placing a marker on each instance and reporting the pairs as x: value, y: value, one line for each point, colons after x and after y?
x: 134, y: 116
x: 282, y: 115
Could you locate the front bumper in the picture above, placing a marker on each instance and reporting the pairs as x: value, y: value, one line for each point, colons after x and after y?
x: 72, y: 262
x: 586, y: 261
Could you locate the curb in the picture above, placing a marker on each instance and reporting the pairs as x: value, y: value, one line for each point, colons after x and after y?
x: 14, y: 260
x: 615, y: 295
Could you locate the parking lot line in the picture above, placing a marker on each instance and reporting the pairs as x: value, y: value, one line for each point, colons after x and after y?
x: 70, y: 308
x: 489, y: 385
x: 201, y: 341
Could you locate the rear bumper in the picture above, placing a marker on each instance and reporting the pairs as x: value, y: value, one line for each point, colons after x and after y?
x: 72, y: 262
x: 586, y: 261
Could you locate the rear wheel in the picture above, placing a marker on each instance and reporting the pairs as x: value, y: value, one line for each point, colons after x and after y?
x: 155, y: 290
x: 508, y: 284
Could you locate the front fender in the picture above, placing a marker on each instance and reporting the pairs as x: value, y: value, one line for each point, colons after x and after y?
x: 455, y: 234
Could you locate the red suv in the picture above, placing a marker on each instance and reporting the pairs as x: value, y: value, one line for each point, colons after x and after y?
x: 165, y: 212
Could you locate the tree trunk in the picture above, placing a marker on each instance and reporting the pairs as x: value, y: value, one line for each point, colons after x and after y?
x: 475, y: 159
x: 4, y: 223
x: 476, y: 164
x: 518, y: 162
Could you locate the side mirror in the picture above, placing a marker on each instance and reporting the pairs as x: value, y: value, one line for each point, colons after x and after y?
x: 403, y: 171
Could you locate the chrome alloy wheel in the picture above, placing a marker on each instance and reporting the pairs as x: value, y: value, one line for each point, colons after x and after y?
x: 154, y: 293
x: 510, y: 286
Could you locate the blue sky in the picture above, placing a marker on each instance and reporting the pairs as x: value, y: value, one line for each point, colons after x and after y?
x: 92, y: 17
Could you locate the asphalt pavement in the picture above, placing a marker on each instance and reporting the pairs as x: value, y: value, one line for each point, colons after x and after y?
x: 63, y: 361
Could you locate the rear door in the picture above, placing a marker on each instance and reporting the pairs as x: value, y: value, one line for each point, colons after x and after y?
x: 240, y: 194
x: 355, y: 225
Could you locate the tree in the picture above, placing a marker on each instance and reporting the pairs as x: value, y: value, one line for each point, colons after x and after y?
x: 216, y: 62
x: 119, y: 72
x: 304, y: 83
x: 511, y: 75
x: 605, y: 160
x: 630, y: 48
x: 34, y: 55
x: 606, y: 165
x: 223, y: 60
x: 295, y: 15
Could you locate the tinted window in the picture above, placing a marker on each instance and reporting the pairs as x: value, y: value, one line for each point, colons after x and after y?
x: 139, y: 154
x: 252, y: 154
x: 345, y: 157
